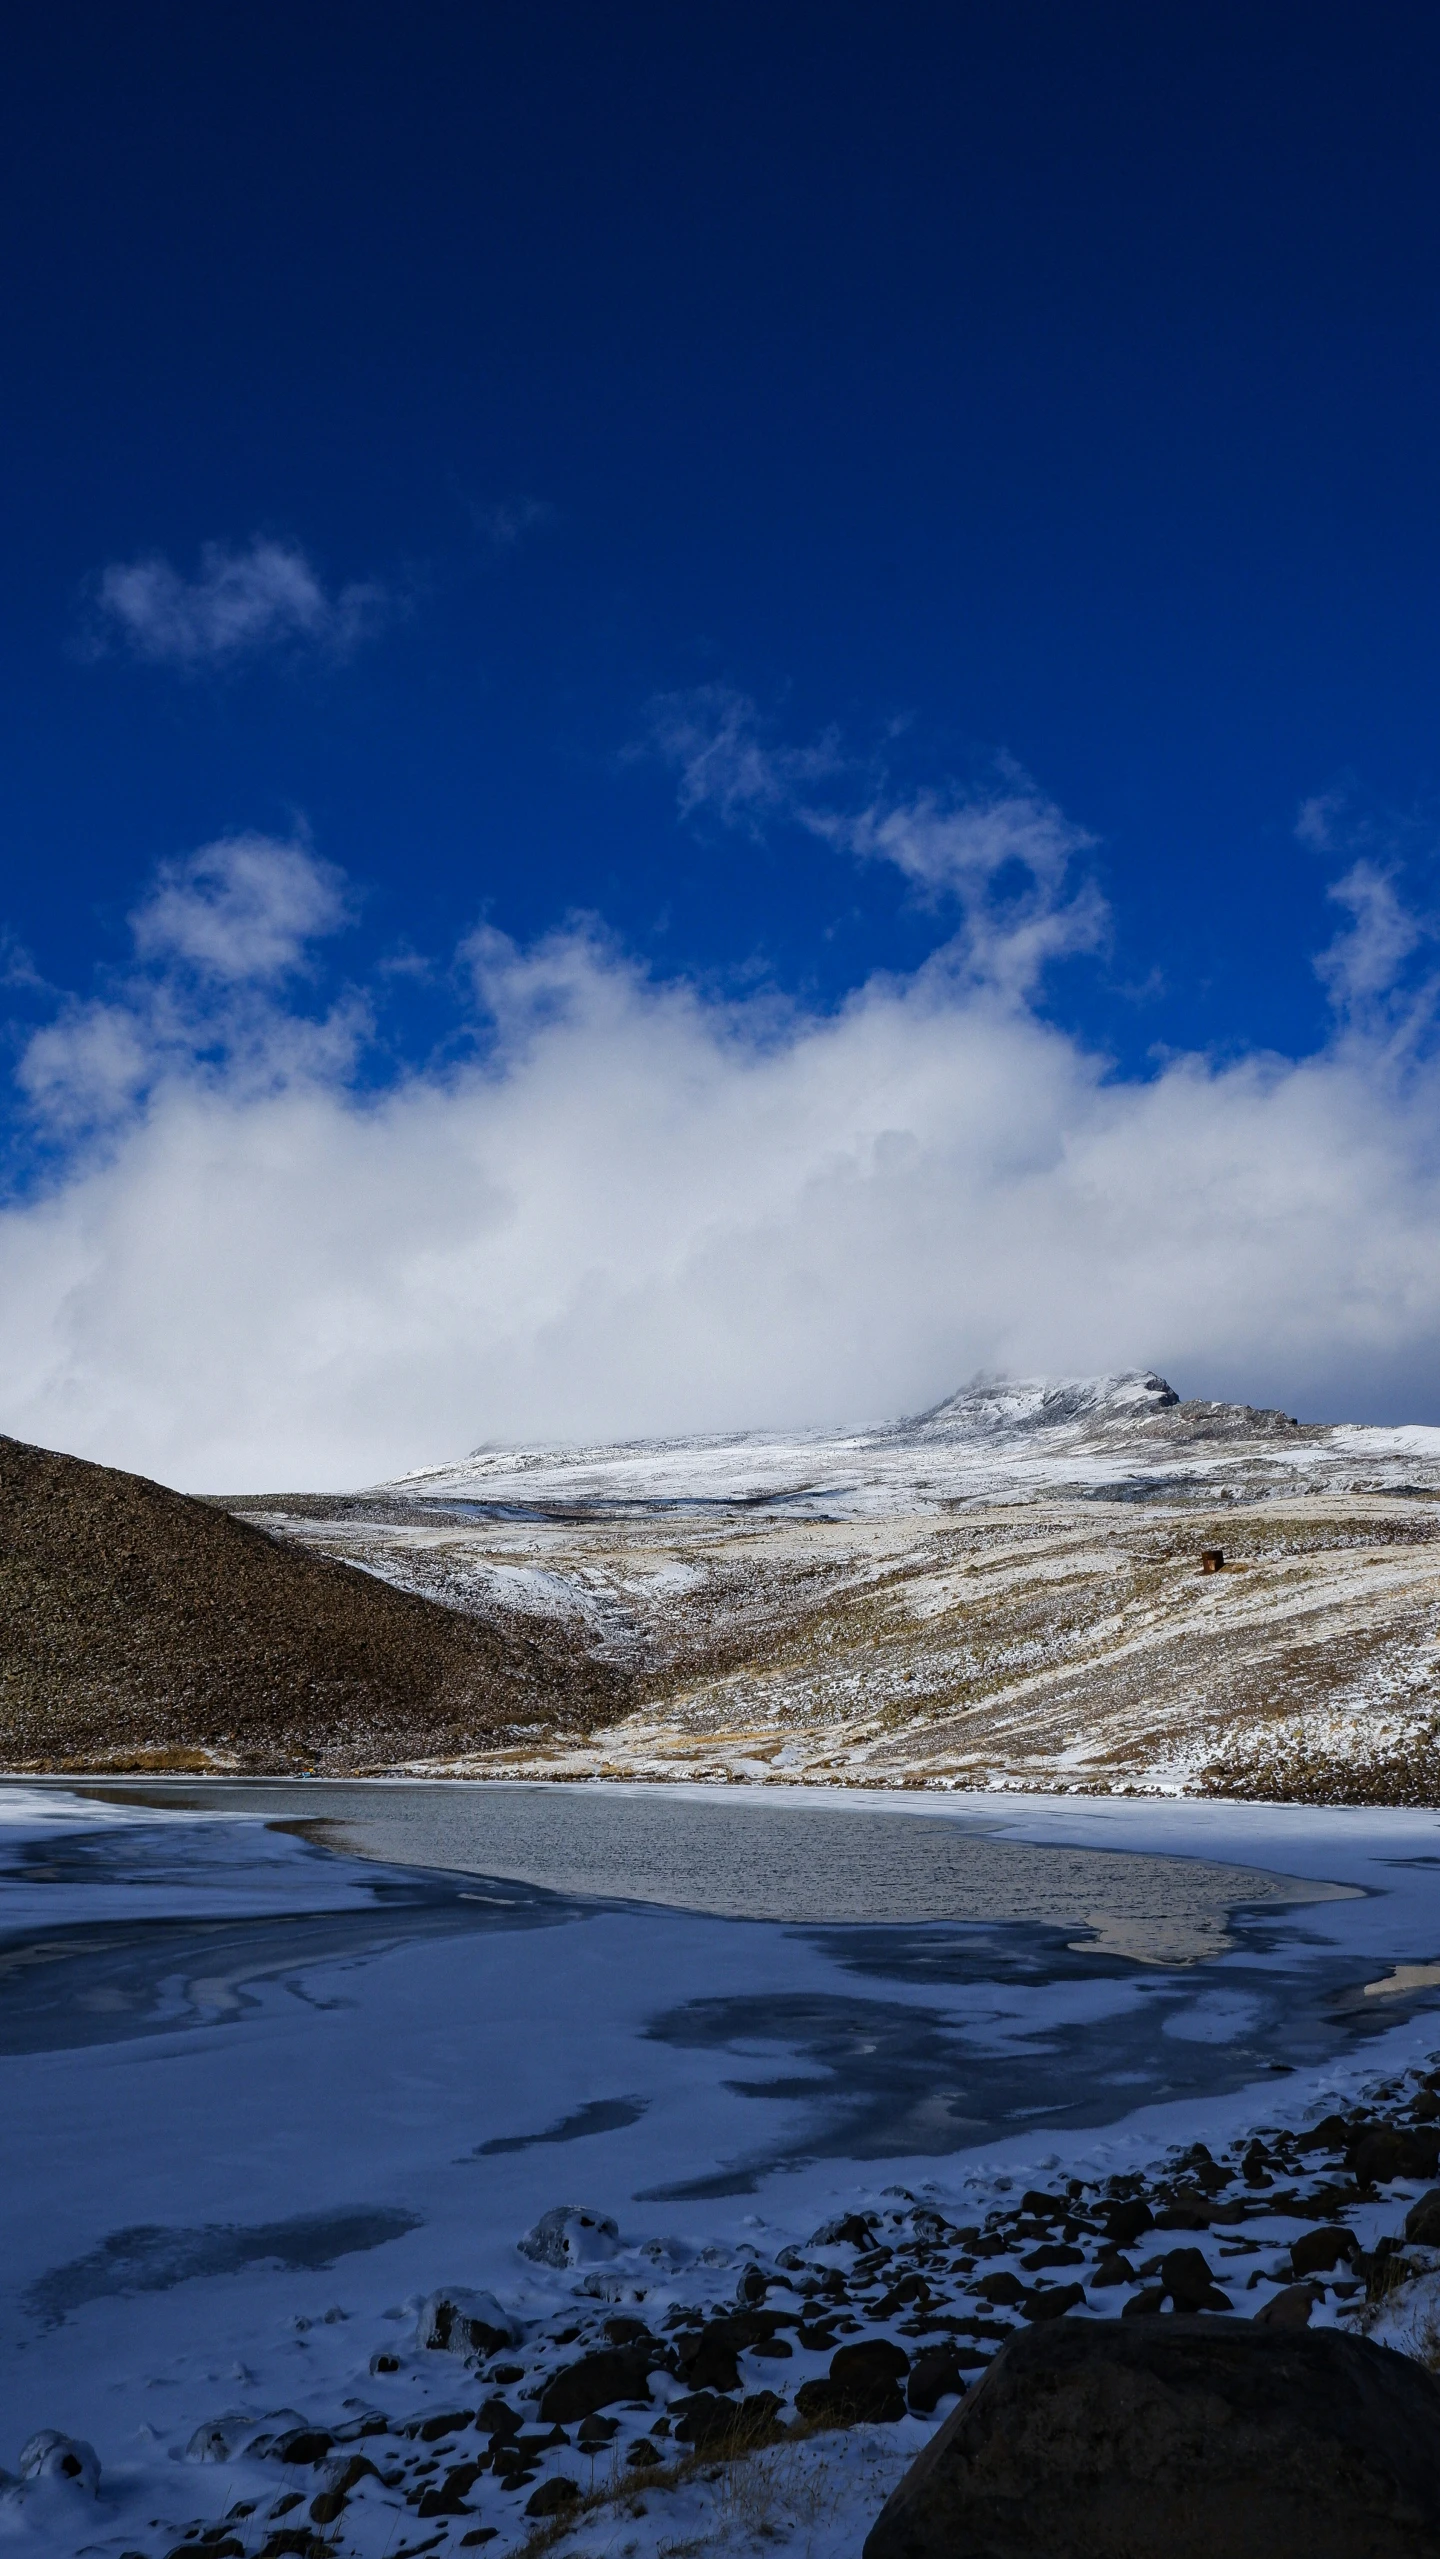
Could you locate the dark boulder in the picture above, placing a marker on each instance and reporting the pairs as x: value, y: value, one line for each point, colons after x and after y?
x: 714, y: 2424
x: 1390, y: 2151
x: 1126, y: 2222
x: 863, y: 2387
x: 448, y: 2499
x: 1189, y: 2208
x: 553, y: 2498
x: 1051, y: 2301
x: 848, y: 2230
x: 1188, y: 2282
x: 1111, y: 2269
x: 1291, y: 2307
x: 1318, y: 2252
x: 1179, y: 2438
x: 1331, y: 2133
x: 306, y: 2445
x: 707, y: 2358
x: 934, y: 2376
x: 1422, y: 2221
x: 597, y: 2381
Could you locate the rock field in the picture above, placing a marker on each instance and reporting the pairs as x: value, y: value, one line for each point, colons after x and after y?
x: 650, y: 2376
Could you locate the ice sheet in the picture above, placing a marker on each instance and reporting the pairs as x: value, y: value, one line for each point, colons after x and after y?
x: 258, y: 2098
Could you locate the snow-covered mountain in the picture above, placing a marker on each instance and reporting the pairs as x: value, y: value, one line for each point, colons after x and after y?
x: 1127, y: 1432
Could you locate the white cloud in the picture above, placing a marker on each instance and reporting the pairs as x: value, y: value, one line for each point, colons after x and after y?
x: 244, y: 907
x: 242, y: 602
x: 644, y: 1209
x: 215, y: 938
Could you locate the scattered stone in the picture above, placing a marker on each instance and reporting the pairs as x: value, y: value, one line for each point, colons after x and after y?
x: 1186, y: 2278
x: 497, y: 2419
x: 715, y: 2424
x: 51, y: 2455
x: 1389, y: 2151
x: 862, y: 2389
x: 642, y: 2455
x: 1331, y: 2133
x: 1141, y: 2304
x: 303, y: 2445
x: 340, y: 2474
x: 933, y: 2377
x: 553, y: 2498
x: 1422, y: 2221
x: 1111, y: 2270
x: 1290, y: 2308
x: 1006, y: 2289
x: 707, y: 2359
x: 1186, y: 2212
x: 1052, y: 2301
x: 1320, y: 2250
x: 449, y: 2497
x: 446, y: 2421
x: 1127, y: 2221
x: 1179, y: 2439
x: 240, y: 2430
x: 567, y: 2236
x: 848, y: 2230
x: 458, y: 2322
x: 597, y: 2431
x: 597, y: 2381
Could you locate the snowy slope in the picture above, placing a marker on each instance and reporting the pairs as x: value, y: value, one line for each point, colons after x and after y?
x: 1005, y: 1590
x: 990, y: 1439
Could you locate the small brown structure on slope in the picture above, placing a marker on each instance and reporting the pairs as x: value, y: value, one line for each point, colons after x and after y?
x: 137, y: 1623
x: 1212, y: 1559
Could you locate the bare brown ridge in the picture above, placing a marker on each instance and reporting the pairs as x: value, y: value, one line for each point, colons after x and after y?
x: 140, y: 1627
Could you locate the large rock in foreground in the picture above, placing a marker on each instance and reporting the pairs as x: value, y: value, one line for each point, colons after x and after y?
x: 1179, y: 2438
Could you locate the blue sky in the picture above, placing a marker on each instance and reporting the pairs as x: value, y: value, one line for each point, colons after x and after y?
x: 668, y: 468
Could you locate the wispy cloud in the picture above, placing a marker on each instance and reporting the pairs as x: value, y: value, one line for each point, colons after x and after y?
x: 241, y: 603
x: 640, y: 1207
x: 1379, y: 972
x: 1003, y: 854
x: 505, y: 521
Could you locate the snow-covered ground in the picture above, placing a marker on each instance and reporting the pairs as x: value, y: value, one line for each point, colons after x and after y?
x: 1005, y: 1591
x: 987, y: 1442
x: 260, y: 2100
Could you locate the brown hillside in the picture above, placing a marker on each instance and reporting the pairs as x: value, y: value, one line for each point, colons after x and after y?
x: 138, y: 1625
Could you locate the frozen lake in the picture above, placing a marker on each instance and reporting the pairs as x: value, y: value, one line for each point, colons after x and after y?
x: 258, y: 2074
